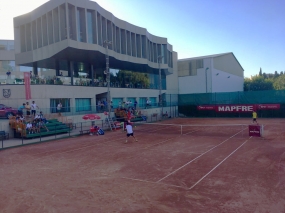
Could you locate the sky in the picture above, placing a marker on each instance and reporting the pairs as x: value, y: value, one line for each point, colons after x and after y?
x: 253, y: 30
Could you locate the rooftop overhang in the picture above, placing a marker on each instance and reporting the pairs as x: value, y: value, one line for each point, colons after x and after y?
x: 94, y: 57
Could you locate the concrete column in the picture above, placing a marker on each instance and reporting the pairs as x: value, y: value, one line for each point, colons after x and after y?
x: 35, y: 68
x: 70, y: 67
x: 92, y: 74
x: 56, y: 67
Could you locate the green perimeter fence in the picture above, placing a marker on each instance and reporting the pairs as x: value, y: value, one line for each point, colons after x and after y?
x: 187, y: 103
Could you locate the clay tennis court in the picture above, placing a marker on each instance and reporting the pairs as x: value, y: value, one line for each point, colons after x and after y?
x: 202, y: 170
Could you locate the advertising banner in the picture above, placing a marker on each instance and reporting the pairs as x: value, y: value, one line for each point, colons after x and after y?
x: 239, y: 107
x: 255, y: 130
x: 27, y: 85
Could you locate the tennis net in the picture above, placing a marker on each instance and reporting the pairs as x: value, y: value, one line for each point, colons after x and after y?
x: 221, y: 130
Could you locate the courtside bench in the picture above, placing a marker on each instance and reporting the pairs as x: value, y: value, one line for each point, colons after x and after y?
x: 4, y: 135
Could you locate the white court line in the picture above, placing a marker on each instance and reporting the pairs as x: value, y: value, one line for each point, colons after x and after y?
x: 197, y: 157
x: 146, y: 181
x: 218, y: 165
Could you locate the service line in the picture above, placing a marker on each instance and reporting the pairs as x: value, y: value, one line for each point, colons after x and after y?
x: 198, y: 157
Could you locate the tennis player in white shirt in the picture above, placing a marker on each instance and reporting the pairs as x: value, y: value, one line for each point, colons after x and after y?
x: 130, y: 132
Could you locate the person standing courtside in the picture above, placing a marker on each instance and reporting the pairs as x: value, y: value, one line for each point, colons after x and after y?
x: 34, y: 108
x: 254, y: 117
x: 28, y: 109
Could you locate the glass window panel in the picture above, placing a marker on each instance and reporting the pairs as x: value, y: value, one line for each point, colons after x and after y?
x: 81, y: 27
x: 3, y: 45
x: 91, y: 26
x: 99, y: 29
x: 138, y: 40
x: 104, y: 29
x: 123, y: 41
x: 63, y: 30
x: 50, y: 28
x: 82, y: 104
x: 23, y: 38
x: 28, y: 37
x: 154, y: 53
x: 6, y: 66
x: 128, y: 42
x: 11, y: 45
x: 56, y: 25
x: 133, y: 37
x: 114, y: 38
x: 109, y: 33
x: 118, y: 39
x: 34, y: 33
x: 39, y: 32
x: 44, y: 28
x: 144, y: 48
x: 72, y: 22
x: 65, y: 104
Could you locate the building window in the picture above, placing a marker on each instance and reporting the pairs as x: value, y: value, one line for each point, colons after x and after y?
x: 55, y: 25
x: 81, y: 29
x: 23, y: 38
x: 129, y: 43
x: 50, y: 28
x: 118, y: 39
x: 6, y: 66
x: 72, y: 22
x: 82, y: 104
x: 63, y: 29
x: 117, y: 102
x: 138, y: 40
x: 142, y: 102
x: 65, y: 104
x: 192, y: 68
x: 199, y: 64
x: 99, y: 29
x: 123, y: 41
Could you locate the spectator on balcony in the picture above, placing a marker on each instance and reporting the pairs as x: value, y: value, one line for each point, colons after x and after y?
x: 59, y: 107
x: 34, y: 107
x: 21, y: 108
x: 60, y: 74
x: 28, y: 109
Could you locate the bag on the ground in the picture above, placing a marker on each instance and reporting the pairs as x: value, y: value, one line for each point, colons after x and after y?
x: 101, y: 132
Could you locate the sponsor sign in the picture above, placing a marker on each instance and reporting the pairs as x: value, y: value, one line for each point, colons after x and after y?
x: 255, y: 130
x: 27, y: 85
x: 268, y: 106
x: 239, y: 107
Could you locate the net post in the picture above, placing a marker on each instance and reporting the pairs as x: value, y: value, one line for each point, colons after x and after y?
x: 181, y: 129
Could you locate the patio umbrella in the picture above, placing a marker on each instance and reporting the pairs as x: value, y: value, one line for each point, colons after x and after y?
x: 91, y: 117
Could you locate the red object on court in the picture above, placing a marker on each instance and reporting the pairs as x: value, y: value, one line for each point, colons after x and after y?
x: 255, y: 130
x: 106, y: 113
x: 91, y: 117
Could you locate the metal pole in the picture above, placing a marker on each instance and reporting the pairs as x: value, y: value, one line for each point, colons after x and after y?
x: 160, y: 99
x: 206, y: 79
x: 107, y: 43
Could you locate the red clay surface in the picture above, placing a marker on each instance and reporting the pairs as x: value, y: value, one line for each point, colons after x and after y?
x: 204, y: 170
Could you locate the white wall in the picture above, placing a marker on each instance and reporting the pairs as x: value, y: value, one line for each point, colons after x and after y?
x: 215, y: 83
x: 226, y: 82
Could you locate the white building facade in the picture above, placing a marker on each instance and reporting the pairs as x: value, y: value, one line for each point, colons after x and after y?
x: 210, y: 74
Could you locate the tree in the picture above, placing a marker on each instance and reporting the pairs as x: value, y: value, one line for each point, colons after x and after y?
x: 257, y: 82
x: 260, y: 72
x: 276, y: 75
x: 279, y: 83
x: 128, y: 77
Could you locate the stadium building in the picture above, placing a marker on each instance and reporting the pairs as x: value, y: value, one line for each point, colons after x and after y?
x: 66, y: 44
